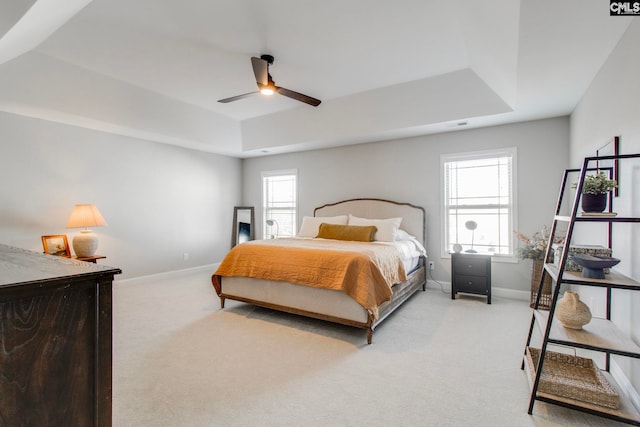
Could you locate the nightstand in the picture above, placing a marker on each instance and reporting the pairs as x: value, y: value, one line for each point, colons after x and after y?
x: 471, y: 274
x: 92, y: 258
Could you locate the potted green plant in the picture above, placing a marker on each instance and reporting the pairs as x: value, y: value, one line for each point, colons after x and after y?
x: 594, y: 192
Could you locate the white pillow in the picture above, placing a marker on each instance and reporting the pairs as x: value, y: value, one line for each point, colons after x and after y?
x: 311, y: 224
x: 387, y: 228
x: 403, y: 235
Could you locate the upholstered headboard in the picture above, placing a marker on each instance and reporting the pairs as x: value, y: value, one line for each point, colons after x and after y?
x: 413, y: 217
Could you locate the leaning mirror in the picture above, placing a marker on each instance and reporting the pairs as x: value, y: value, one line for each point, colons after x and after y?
x: 243, y: 225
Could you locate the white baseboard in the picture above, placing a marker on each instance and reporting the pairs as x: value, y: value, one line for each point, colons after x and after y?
x: 446, y: 286
x: 495, y: 292
x: 624, y: 384
x: 165, y: 275
x: 511, y: 294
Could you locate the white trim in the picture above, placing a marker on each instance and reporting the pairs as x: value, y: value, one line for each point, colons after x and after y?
x: 511, y: 152
x: 625, y: 385
x: 166, y: 275
x: 275, y: 173
x: 495, y: 292
x: 280, y: 172
x: 511, y: 294
x: 432, y: 284
x: 494, y: 258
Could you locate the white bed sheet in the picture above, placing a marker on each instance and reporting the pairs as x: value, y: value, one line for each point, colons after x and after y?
x: 409, y: 247
x: 410, y: 252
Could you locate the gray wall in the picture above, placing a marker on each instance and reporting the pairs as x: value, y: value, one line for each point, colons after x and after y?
x: 409, y: 170
x: 159, y: 201
x: 610, y: 107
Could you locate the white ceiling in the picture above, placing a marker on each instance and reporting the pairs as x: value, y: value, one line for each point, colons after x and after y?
x: 156, y: 68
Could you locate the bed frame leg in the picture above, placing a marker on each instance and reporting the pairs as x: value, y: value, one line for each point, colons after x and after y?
x: 369, y: 336
x: 222, y: 299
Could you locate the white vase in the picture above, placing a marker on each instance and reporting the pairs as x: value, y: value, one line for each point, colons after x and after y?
x: 85, y: 244
x: 572, y: 312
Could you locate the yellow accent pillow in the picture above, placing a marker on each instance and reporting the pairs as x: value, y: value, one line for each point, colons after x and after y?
x: 358, y: 233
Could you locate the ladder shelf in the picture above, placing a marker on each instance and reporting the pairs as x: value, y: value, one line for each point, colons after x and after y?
x: 600, y: 334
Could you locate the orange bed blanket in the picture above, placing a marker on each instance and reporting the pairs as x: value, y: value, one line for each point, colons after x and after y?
x: 364, y: 271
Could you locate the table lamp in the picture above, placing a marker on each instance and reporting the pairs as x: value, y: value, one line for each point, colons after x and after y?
x: 271, y: 223
x: 471, y: 225
x: 84, y: 216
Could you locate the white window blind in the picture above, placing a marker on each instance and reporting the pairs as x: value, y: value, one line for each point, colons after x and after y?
x: 479, y: 187
x: 280, y: 203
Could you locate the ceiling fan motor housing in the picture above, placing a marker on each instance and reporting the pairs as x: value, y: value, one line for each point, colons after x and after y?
x: 267, y: 58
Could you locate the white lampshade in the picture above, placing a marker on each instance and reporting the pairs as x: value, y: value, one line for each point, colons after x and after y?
x: 83, y: 216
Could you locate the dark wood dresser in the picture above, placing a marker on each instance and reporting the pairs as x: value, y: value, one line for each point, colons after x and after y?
x: 471, y: 274
x: 55, y: 340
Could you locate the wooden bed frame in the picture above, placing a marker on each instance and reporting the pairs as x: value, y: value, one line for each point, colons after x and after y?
x: 413, y: 222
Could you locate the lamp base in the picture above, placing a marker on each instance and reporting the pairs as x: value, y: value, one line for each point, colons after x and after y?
x: 85, y: 244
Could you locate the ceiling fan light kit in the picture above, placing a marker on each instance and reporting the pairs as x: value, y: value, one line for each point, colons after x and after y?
x: 267, y: 86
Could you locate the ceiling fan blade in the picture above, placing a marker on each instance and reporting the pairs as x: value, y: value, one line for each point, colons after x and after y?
x: 298, y: 96
x: 237, y: 97
x: 260, y: 70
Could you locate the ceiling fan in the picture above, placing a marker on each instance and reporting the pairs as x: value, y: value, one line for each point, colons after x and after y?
x: 267, y: 86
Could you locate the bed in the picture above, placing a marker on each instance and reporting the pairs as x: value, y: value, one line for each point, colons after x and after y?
x: 402, y: 269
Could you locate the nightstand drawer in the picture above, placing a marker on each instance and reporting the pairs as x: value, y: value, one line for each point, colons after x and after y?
x: 473, y: 265
x: 473, y: 284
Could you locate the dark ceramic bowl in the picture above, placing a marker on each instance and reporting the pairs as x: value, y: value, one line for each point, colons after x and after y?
x: 593, y: 266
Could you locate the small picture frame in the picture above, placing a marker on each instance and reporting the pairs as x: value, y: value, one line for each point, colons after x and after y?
x: 56, y: 244
x: 611, y: 148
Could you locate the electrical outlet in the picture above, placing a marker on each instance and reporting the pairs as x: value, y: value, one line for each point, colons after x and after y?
x: 431, y: 265
x: 185, y: 256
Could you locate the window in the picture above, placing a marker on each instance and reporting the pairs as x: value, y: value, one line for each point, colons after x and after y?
x: 479, y: 187
x: 280, y: 203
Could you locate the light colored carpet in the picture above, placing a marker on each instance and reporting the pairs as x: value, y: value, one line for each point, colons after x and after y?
x: 178, y: 360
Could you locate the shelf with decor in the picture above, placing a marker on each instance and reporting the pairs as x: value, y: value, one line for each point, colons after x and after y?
x: 613, y: 279
x: 625, y: 411
x: 570, y: 380
x: 599, y: 334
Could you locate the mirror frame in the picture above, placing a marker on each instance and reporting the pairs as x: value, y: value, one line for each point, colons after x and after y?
x: 239, y: 214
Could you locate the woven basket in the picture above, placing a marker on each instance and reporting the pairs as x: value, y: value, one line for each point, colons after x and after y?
x: 573, y: 377
x: 545, y: 297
